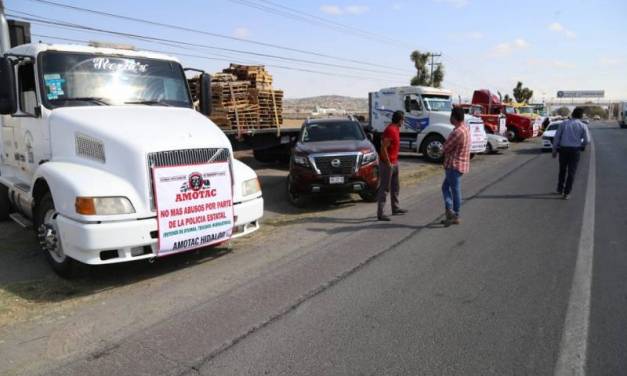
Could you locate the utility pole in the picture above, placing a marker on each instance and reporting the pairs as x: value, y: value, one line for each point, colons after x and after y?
x: 433, y: 64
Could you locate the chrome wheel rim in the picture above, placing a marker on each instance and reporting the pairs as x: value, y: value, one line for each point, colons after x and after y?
x: 49, y: 237
x: 435, y: 149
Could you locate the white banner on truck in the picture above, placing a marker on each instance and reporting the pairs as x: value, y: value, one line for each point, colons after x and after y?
x: 194, y: 206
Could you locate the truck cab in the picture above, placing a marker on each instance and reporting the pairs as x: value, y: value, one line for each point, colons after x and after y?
x: 519, y: 127
x: 82, y: 130
x: 494, y: 124
x: 427, y: 119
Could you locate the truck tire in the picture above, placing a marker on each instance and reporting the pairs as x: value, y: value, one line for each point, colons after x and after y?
x: 511, y: 134
x: 264, y: 156
x: 49, y: 240
x: 432, y: 148
x: 5, y: 204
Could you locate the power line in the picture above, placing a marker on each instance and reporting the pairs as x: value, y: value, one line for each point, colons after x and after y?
x: 224, y: 58
x: 208, y: 33
x: 295, y: 14
x: 48, y: 21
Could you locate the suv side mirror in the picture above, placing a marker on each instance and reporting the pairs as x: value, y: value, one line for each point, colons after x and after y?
x: 8, y: 98
x: 204, y: 98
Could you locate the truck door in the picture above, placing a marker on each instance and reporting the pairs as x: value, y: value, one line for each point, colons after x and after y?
x: 413, y: 111
x: 30, y: 136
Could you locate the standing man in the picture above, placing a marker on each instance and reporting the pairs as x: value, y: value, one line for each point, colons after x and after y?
x: 570, y: 139
x: 456, y: 164
x: 388, y: 168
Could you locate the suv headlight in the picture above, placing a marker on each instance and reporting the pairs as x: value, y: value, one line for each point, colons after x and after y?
x: 368, y: 158
x: 301, y: 160
x: 103, y: 206
x: 250, y: 187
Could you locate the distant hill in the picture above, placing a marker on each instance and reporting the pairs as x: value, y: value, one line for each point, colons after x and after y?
x: 350, y: 104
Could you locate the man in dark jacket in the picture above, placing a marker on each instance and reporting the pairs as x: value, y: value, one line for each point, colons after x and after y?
x: 570, y: 139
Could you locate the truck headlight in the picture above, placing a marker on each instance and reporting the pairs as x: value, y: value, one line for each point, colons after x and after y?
x: 250, y: 187
x: 301, y: 160
x: 103, y: 206
x: 368, y: 158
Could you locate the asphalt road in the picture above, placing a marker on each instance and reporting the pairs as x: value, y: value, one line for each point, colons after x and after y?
x: 338, y: 293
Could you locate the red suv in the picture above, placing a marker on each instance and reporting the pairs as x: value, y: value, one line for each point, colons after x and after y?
x: 332, y: 156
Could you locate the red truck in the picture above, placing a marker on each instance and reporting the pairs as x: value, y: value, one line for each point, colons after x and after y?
x: 519, y: 127
x: 493, y: 124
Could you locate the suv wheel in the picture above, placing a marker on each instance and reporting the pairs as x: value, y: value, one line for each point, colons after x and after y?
x: 433, y: 148
x: 49, y: 239
x: 294, y: 198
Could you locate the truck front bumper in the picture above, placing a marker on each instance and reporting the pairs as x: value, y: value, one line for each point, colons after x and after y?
x: 122, y: 241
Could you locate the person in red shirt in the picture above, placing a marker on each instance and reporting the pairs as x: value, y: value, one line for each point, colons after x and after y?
x: 388, y: 168
x: 456, y: 164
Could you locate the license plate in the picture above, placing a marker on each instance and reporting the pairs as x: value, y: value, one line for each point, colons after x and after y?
x: 336, y: 180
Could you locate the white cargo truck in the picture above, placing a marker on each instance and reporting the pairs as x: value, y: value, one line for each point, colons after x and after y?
x: 427, y: 113
x: 104, y: 155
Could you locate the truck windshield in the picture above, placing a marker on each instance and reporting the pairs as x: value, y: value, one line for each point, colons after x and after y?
x: 332, y: 131
x: 82, y: 79
x: 509, y: 110
x: 438, y: 103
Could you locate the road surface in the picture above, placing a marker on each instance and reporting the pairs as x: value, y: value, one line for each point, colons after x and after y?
x: 526, y: 285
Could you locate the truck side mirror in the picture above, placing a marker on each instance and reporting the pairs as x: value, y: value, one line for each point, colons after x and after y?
x: 204, y: 98
x: 407, y: 104
x: 8, y: 98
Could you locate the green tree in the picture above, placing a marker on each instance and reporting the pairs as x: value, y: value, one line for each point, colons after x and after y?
x: 423, y: 73
x: 507, y: 99
x: 592, y: 111
x: 522, y: 94
x: 562, y: 111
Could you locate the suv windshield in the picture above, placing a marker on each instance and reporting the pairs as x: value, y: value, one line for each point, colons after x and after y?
x: 332, y: 131
x: 438, y: 103
x: 81, y: 79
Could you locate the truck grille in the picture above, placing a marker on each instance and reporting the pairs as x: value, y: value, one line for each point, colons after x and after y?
x: 347, y: 165
x: 183, y: 157
x: 187, y: 157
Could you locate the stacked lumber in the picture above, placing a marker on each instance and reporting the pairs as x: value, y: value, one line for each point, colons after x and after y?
x: 270, y: 104
x: 257, y: 75
x: 232, y: 107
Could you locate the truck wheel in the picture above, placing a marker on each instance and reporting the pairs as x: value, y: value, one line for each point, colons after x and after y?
x: 5, y: 204
x: 433, y: 148
x: 49, y: 239
x: 295, y: 199
x: 511, y: 135
x: 264, y: 156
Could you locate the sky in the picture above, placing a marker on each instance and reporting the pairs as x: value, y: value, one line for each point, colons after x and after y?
x: 360, y: 46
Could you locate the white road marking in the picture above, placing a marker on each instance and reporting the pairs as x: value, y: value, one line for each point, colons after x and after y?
x: 574, y: 343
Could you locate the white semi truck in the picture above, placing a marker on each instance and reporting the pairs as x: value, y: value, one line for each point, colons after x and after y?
x: 622, y: 114
x: 427, y: 113
x: 91, y: 135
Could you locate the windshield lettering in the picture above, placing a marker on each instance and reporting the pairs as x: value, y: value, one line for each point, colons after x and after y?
x: 101, y: 63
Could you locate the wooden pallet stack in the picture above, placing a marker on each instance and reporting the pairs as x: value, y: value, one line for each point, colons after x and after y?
x: 242, y: 98
x: 270, y: 106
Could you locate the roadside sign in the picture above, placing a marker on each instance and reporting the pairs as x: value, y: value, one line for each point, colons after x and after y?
x: 581, y: 94
x: 194, y: 206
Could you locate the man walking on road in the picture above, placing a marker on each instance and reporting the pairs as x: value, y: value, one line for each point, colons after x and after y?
x: 570, y: 139
x: 388, y: 181
x: 456, y: 164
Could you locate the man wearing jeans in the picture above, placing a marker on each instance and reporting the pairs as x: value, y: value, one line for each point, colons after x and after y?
x: 570, y: 139
x: 456, y: 164
x: 388, y: 168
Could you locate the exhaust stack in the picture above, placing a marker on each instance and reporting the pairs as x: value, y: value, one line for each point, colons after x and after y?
x: 5, y: 38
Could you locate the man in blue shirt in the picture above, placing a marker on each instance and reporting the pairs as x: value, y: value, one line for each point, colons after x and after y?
x: 570, y: 140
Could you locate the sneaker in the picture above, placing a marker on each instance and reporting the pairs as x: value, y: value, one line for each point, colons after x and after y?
x: 399, y: 211
x: 449, y: 214
x: 455, y: 220
x: 566, y: 196
x: 383, y: 218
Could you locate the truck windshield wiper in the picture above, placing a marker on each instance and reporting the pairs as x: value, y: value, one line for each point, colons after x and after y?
x: 150, y: 103
x: 97, y: 100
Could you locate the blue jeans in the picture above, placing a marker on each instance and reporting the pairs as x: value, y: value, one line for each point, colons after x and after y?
x: 452, y: 190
